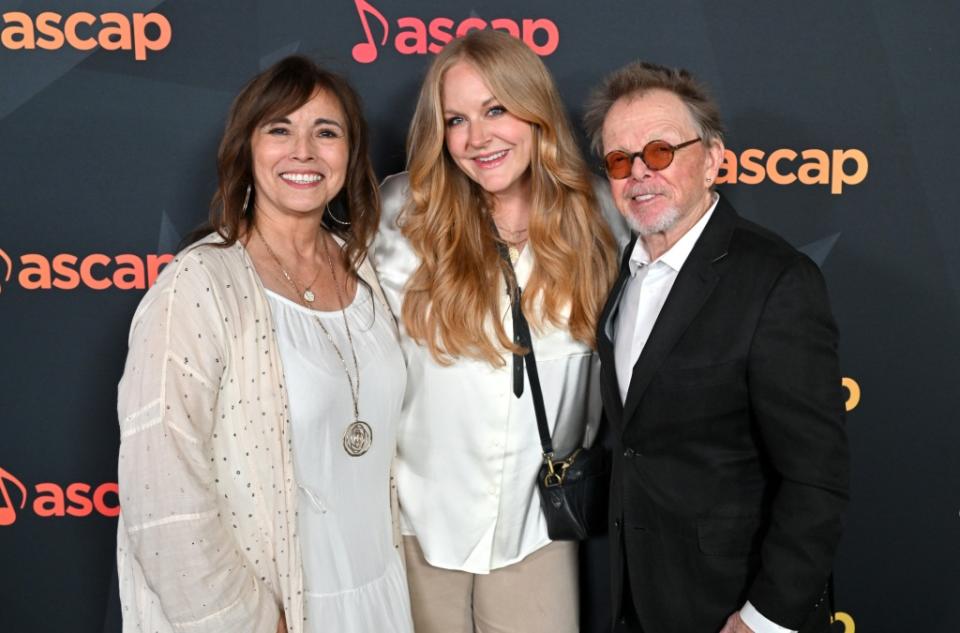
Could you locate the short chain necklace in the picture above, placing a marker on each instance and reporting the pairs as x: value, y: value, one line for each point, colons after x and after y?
x: 307, y: 294
x: 514, y: 243
x: 358, y: 436
x: 516, y: 235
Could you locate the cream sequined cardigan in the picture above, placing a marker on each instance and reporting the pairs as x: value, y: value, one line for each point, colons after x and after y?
x: 207, y: 538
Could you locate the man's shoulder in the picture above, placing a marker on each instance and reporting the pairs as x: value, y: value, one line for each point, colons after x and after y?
x: 754, y: 252
x: 761, y: 246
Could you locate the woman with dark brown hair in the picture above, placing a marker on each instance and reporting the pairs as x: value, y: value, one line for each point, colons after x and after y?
x: 255, y: 454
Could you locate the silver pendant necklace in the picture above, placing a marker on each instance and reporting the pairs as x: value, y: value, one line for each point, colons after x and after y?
x: 358, y: 436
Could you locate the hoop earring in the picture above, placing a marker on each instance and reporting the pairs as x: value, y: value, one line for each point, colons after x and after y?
x: 335, y: 218
x: 246, y: 201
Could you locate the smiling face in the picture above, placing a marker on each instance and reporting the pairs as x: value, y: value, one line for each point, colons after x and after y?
x: 669, y: 201
x: 300, y: 160
x: 490, y: 145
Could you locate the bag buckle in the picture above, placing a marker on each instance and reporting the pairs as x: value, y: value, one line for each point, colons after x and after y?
x: 557, y: 470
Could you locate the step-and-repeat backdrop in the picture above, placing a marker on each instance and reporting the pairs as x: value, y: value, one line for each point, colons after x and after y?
x: 842, y: 122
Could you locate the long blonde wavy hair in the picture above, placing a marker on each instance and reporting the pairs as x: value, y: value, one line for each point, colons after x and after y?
x: 453, y: 298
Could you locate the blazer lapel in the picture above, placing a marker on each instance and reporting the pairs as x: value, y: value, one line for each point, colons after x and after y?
x: 695, y: 282
x: 608, y: 373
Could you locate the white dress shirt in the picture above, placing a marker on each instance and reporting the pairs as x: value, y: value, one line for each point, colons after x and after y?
x: 468, y: 449
x: 644, y: 294
x: 641, y: 300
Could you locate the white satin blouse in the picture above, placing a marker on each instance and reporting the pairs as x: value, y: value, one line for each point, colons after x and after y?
x: 468, y: 449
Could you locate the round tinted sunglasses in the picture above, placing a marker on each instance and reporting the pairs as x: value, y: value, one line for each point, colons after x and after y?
x: 656, y: 155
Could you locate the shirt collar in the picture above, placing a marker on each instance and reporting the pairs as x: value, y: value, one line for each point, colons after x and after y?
x: 524, y: 265
x: 677, y: 254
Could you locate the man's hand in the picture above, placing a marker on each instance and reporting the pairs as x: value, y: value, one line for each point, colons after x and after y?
x: 735, y: 625
x: 282, y: 624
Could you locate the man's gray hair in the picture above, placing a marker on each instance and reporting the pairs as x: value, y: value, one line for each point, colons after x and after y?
x: 638, y: 78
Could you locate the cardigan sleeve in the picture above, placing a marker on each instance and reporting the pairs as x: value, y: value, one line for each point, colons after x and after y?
x: 172, y: 521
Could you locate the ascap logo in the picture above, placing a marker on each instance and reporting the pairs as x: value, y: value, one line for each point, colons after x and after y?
x: 97, y: 271
x: 52, y: 500
x: 817, y: 167
x: 86, y: 31
x: 415, y: 36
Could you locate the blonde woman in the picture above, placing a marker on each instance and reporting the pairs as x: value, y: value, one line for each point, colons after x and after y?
x: 493, y: 169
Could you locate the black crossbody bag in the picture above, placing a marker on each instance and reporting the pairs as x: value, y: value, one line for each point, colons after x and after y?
x: 574, y: 490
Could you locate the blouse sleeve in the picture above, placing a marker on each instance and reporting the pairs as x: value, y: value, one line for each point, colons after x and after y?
x: 391, y: 254
x: 172, y: 524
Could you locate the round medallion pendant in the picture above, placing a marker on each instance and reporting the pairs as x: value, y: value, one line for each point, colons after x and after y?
x: 308, y: 295
x: 358, y: 438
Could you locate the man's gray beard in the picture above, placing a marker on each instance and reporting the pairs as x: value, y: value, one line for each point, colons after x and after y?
x: 666, y: 221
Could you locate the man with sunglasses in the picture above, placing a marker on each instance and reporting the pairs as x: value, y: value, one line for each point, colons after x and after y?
x: 721, y: 381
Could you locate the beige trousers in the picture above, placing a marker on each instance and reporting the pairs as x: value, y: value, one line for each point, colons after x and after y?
x: 535, y: 595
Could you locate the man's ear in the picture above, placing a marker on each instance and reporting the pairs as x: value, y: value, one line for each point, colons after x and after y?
x: 715, y: 151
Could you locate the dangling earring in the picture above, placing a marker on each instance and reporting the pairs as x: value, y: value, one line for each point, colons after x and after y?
x: 246, y: 201
x: 335, y: 218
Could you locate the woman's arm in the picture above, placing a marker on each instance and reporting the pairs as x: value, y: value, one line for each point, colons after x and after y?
x: 173, y: 522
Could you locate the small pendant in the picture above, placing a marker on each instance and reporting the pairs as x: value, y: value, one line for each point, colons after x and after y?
x: 514, y: 254
x: 358, y: 438
x: 308, y: 295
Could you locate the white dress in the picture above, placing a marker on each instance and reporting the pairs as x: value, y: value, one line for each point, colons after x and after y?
x: 354, y: 581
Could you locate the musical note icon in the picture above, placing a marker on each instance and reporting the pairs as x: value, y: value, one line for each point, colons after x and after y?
x: 366, y: 52
x: 8, y: 513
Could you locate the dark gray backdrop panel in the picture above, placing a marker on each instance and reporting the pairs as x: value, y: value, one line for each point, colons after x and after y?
x: 104, y: 154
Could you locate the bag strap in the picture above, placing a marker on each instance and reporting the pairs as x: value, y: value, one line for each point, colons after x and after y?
x: 521, y: 336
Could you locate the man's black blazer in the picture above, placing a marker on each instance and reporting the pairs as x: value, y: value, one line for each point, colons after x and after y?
x: 730, y: 456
